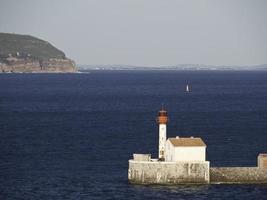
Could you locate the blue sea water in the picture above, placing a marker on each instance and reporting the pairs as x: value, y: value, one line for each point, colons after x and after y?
x: 69, y: 136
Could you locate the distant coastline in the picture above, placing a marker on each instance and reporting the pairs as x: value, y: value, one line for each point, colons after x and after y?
x: 28, y: 54
x: 183, y: 67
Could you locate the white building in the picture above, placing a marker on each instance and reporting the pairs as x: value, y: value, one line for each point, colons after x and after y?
x: 185, y: 149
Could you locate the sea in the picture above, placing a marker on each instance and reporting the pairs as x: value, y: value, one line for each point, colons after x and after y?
x: 70, y: 136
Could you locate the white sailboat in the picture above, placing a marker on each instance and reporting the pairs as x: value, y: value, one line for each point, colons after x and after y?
x: 187, y: 88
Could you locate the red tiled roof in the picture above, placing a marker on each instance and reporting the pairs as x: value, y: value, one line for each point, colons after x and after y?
x: 187, y: 142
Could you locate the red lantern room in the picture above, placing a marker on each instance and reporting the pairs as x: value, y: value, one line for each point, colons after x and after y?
x: 162, y: 117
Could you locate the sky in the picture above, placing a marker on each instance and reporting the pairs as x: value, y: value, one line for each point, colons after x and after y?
x: 145, y: 32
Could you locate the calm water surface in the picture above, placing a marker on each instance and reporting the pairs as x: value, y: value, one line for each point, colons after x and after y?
x: 69, y: 136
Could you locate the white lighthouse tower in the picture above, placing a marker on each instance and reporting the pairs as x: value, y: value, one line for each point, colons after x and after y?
x: 162, y: 120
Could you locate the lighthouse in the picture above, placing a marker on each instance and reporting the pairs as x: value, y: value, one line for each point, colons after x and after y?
x: 162, y: 120
x: 180, y: 160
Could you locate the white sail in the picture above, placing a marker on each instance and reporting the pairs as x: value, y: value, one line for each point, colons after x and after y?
x: 187, y: 88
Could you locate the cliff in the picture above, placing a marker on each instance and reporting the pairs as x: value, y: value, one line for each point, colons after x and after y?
x: 24, y: 53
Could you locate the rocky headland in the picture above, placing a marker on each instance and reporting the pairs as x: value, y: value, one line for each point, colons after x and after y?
x: 24, y: 53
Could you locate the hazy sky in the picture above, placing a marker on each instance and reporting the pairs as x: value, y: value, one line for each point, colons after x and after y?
x: 145, y: 32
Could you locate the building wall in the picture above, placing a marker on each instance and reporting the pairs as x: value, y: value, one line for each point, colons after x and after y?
x: 168, y: 172
x: 262, y: 161
x: 169, y: 151
x: 174, y: 154
x: 141, y: 157
x: 190, y: 153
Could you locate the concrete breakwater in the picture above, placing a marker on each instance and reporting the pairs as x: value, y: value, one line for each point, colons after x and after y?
x: 146, y: 172
x: 238, y: 175
x: 183, y: 161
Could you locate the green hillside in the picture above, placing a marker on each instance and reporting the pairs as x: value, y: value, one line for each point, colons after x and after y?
x: 27, y: 46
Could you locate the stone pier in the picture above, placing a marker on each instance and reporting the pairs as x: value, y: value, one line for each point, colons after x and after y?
x: 144, y: 170
x: 238, y: 175
x: 241, y: 175
x: 155, y: 172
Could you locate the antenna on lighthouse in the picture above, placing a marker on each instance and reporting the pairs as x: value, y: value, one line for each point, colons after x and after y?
x: 162, y: 120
